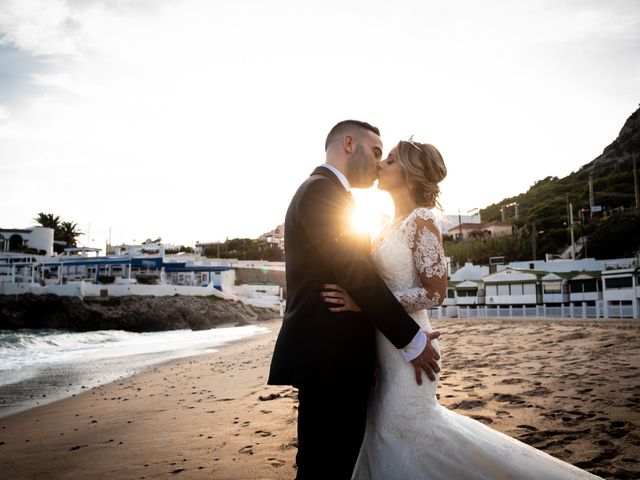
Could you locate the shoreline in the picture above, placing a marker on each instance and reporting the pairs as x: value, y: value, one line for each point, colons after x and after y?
x: 29, y: 386
x: 183, y: 416
x: 571, y: 389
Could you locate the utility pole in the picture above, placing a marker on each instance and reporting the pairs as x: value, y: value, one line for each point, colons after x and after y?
x: 591, y: 197
x: 573, y: 245
x: 534, y: 235
x: 460, y: 224
x: 635, y: 182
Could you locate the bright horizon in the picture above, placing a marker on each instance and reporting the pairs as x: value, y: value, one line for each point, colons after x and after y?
x: 194, y: 120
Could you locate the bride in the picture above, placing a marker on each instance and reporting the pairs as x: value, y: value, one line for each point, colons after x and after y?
x: 409, y: 435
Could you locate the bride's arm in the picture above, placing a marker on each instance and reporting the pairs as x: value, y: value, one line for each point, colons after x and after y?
x: 429, y: 260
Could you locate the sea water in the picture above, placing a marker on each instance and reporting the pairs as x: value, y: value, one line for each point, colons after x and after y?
x: 41, y: 366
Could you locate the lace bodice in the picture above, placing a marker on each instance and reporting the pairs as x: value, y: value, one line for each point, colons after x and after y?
x: 407, y: 252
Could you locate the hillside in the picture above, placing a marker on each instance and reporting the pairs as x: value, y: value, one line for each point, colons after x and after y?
x: 544, y: 207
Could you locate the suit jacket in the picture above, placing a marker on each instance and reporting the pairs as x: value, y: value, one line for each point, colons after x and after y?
x: 315, y: 345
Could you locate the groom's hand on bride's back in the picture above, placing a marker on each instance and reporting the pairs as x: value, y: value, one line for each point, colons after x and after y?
x: 427, y: 361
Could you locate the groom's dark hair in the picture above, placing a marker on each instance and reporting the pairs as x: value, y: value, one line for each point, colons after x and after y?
x: 341, y: 128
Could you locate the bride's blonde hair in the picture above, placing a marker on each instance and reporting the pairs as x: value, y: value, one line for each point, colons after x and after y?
x: 423, y: 168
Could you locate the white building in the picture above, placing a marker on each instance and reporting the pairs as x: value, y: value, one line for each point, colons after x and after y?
x: 562, y: 265
x: 274, y: 238
x: 555, y: 289
x: 450, y: 224
x: 621, y: 292
x: 467, y: 293
x: 40, y: 239
x: 510, y: 287
x: 466, y: 286
x: 585, y: 288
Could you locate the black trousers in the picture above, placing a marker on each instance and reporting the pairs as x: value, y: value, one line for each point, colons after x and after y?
x: 331, y: 422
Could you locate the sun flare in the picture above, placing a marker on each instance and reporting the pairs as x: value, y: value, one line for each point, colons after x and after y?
x: 372, y: 211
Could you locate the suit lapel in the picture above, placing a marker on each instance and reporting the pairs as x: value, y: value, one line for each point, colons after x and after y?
x: 325, y: 172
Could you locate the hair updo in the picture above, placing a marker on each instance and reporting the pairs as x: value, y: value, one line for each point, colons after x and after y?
x: 423, y: 168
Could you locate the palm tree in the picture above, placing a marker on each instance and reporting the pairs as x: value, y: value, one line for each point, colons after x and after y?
x: 48, y: 220
x: 65, y: 234
x: 68, y: 232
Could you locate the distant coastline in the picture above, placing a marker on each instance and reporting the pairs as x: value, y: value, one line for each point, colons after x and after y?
x: 131, y: 313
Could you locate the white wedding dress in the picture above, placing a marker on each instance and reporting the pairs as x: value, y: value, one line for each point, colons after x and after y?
x: 408, y: 434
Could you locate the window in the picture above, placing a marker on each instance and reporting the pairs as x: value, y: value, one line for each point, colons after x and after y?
x: 503, y: 289
x: 579, y: 286
x: 552, y: 287
x: 468, y: 293
x: 591, y: 285
x: 516, y: 289
x: 618, y: 282
x: 491, y: 290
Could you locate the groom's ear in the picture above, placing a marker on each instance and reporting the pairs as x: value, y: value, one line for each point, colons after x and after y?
x: 349, y: 143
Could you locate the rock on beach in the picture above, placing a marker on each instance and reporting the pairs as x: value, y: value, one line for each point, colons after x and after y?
x: 131, y: 313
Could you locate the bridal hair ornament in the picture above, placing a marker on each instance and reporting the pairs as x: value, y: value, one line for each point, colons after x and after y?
x: 413, y: 144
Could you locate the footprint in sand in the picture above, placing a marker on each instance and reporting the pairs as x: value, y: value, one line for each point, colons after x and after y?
x: 585, y: 390
x: 531, y: 428
x: 246, y: 450
x: 574, y: 336
x: 602, y: 458
x: 290, y: 445
x: 483, y: 419
x: 276, y: 462
x: 618, y: 429
x: 514, y: 400
x: 468, y: 404
x: 271, y: 396
x: 537, y: 392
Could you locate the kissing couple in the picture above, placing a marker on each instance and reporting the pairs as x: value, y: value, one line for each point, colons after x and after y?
x: 356, y: 339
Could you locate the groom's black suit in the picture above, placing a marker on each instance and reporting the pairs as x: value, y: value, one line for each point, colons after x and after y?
x: 329, y: 356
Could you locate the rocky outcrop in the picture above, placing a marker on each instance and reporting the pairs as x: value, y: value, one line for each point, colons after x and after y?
x: 133, y: 313
x: 623, y: 147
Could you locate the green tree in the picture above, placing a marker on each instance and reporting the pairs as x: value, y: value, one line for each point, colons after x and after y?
x: 240, y: 248
x: 48, y: 220
x: 272, y: 254
x: 513, y: 247
x: 616, y: 236
x: 68, y: 232
x: 243, y: 249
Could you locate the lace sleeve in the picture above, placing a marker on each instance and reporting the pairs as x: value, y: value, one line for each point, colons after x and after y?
x: 428, y: 254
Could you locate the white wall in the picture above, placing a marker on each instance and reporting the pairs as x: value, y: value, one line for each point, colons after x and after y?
x: 81, y: 289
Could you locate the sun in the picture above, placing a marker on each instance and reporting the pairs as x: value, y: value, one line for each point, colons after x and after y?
x: 372, y: 211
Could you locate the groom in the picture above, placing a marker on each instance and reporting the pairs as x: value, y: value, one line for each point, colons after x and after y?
x: 328, y: 356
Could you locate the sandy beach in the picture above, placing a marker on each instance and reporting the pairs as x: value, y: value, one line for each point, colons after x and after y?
x: 570, y: 388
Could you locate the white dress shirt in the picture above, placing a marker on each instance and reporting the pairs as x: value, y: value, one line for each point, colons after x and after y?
x: 419, y: 342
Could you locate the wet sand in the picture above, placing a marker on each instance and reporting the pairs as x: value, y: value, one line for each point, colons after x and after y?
x: 571, y: 388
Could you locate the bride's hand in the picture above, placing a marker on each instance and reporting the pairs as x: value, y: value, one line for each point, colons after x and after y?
x: 337, y: 295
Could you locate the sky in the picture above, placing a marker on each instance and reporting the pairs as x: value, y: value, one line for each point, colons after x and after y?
x: 196, y: 120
